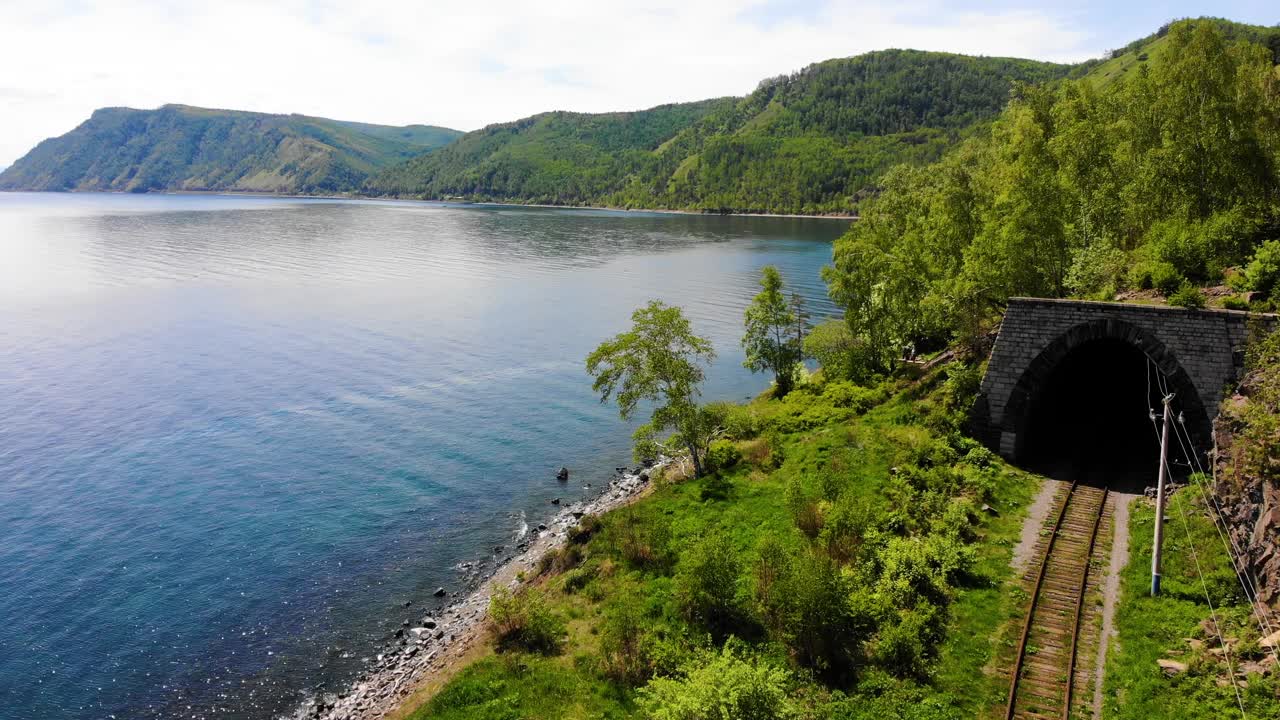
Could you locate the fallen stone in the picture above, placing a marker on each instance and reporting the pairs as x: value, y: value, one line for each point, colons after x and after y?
x: 440, y: 592
x: 1271, y: 641
x: 1171, y: 667
x: 563, y: 474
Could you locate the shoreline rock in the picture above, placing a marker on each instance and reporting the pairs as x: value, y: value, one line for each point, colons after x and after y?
x: 438, y: 643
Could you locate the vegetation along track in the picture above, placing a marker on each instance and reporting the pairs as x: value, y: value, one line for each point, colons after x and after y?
x: 1046, y: 672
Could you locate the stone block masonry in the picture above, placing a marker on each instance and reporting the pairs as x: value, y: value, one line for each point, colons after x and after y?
x: 1200, y: 351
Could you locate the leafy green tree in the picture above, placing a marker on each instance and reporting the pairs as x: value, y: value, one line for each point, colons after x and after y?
x: 660, y: 360
x: 774, y: 332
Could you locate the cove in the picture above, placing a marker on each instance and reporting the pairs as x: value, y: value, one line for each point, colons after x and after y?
x: 238, y: 434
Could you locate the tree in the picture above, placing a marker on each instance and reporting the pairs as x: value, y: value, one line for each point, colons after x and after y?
x: 660, y: 361
x: 772, y: 340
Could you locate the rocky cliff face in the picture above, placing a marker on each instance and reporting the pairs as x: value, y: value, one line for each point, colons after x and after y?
x: 1247, y: 438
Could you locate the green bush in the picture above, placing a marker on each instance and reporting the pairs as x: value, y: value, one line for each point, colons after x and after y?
x: 1234, y: 302
x: 1198, y: 250
x: 522, y: 621
x: 741, y: 422
x: 855, y: 397
x: 1263, y: 271
x: 836, y: 350
x: 808, y: 602
x: 905, y: 646
x: 706, y: 583
x: 560, y: 559
x: 722, y: 455
x: 625, y: 643
x: 587, y: 527
x: 1187, y: 296
x: 640, y: 539
x: 730, y: 685
x: 1157, y: 275
x: 1096, y: 270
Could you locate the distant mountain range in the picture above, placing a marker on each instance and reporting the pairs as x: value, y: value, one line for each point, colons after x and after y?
x: 815, y: 141
x: 177, y: 147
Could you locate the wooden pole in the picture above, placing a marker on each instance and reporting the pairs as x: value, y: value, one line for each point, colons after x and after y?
x: 1159, y: 539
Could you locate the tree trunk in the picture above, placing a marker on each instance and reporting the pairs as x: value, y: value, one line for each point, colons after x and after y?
x: 697, y: 463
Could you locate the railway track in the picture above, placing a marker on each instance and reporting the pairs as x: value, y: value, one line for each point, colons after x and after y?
x: 1047, y: 671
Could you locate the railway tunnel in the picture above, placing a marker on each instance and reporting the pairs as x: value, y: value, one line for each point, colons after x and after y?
x: 1070, y: 385
x: 1089, y: 419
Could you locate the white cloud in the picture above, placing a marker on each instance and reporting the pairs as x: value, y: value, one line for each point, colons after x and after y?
x: 461, y: 65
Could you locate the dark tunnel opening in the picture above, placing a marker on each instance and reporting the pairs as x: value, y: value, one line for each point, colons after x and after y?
x: 1089, y: 419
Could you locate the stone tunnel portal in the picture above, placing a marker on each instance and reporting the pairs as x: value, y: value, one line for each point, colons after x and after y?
x: 1088, y: 419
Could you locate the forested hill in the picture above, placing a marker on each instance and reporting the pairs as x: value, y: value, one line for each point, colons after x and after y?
x: 555, y: 157
x: 177, y: 147
x: 809, y: 142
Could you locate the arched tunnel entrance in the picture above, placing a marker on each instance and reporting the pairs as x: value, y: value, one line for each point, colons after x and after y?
x: 1088, y: 418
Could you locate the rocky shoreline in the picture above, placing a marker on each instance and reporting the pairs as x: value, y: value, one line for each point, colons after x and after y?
x: 434, y: 646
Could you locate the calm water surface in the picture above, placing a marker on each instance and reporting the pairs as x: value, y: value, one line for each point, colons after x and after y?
x: 237, y: 434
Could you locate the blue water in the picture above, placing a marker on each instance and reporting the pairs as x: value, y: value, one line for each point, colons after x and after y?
x: 237, y: 434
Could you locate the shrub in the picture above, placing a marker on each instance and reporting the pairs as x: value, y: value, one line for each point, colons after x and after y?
x: 1263, y: 271
x: 588, y: 525
x: 577, y: 579
x: 1096, y: 270
x: 806, y: 601
x: 805, y: 510
x: 722, y: 455
x: 1152, y: 274
x: 641, y: 540
x: 916, y: 569
x: 1198, y: 250
x: 855, y: 397
x: 522, y: 621
x: 706, y: 583
x: 843, y: 530
x: 560, y: 559
x: 724, y: 686
x: 904, y: 647
x: 624, y: 644
x: 1234, y: 302
x: 835, y: 348
x: 1187, y: 296
x: 741, y: 422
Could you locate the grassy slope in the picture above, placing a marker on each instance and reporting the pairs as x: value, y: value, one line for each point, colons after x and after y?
x: 569, y: 685
x: 1153, y: 628
x: 1151, y: 49
x: 177, y: 147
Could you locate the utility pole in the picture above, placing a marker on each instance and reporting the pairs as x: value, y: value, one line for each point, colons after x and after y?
x: 1159, y: 540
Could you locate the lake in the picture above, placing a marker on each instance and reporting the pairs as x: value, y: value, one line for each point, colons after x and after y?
x: 237, y: 434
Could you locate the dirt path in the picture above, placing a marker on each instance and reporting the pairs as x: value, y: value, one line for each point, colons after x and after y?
x: 1111, y: 591
x: 1037, y: 516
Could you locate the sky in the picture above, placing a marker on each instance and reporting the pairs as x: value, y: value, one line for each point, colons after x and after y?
x: 468, y: 64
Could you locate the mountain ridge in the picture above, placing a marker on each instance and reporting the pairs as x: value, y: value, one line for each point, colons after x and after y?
x: 187, y: 148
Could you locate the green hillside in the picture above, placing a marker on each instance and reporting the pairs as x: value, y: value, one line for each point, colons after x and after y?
x: 808, y: 142
x: 556, y: 157
x: 177, y: 147
x: 1144, y: 179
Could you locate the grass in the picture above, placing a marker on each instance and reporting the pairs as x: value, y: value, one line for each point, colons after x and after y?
x: 626, y: 568
x: 965, y: 665
x: 1169, y: 626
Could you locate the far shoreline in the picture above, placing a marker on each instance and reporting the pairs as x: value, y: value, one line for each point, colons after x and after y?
x: 448, y: 203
